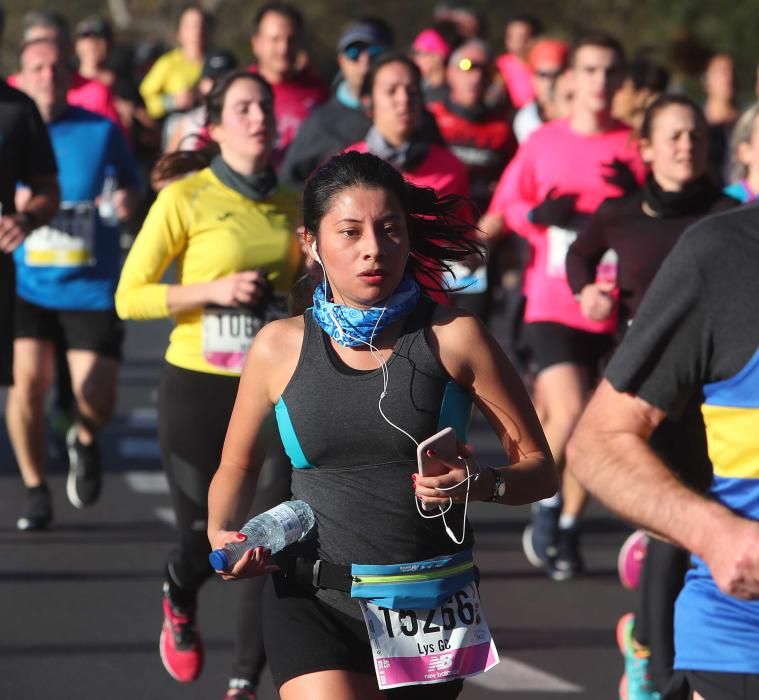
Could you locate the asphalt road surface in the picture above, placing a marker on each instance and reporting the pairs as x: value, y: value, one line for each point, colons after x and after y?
x: 80, y: 604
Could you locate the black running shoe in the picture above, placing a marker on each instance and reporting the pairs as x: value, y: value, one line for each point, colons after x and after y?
x: 38, y: 509
x: 539, y: 539
x: 568, y: 563
x: 84, y: 479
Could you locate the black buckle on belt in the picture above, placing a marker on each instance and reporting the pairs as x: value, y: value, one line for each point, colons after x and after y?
x: 307, y: 573
x: 334, y: 576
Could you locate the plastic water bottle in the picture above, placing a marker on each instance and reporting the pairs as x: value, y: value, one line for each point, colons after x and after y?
x: 275, y: 529
x: 106, y: 208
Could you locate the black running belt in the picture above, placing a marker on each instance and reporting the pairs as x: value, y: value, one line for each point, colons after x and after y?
x: 307, y: 573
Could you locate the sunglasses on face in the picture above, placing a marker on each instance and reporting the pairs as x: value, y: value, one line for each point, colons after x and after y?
x: 354, y: 51
x: 547, y: 74
x: 466, y: 64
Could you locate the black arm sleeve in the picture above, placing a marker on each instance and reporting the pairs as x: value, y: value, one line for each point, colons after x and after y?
x: 587, y: 250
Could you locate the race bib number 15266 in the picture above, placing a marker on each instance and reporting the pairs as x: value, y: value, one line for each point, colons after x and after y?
x: 412, y: 647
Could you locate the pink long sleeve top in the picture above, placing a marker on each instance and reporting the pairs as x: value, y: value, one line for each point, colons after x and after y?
x: 572, y: 163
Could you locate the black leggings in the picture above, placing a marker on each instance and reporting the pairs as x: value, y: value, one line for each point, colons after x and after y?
x: 194, y: 410
x: 662, y: 579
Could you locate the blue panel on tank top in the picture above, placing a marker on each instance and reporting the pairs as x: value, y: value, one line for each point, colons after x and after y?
x: 289, y: 438
x: 456, y: 410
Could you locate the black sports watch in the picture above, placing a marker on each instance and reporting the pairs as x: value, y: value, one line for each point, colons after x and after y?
x: 499, y: 485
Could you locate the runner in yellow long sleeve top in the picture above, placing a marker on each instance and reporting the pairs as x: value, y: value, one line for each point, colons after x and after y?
x: 212, y: 232
x: 170, y: 84
x: 173, y: 74
x: 230, y: 229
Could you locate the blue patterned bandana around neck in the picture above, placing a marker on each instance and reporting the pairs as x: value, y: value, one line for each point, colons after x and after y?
x: 352, y: 327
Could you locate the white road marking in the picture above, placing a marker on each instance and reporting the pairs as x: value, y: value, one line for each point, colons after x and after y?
x: 143, y: 418
x: 139, y: 448
x: 166, y: 515
x: 512, y: 676
x: 147, y: 482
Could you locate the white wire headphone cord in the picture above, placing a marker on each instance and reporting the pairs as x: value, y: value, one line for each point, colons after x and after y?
x: 377, y: 355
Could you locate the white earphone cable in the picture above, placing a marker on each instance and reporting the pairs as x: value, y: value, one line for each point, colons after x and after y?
x: 377, y: 355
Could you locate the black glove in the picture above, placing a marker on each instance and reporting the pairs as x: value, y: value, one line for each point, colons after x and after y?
x: 553, y: 211
x: 618, y: 173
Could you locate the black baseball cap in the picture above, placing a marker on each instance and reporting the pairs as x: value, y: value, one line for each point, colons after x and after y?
x: 366, y: 31
x: 218, y: 62
x: 94, y: 26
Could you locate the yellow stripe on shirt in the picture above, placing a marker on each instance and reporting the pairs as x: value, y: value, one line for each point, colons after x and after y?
x: 731, y: 434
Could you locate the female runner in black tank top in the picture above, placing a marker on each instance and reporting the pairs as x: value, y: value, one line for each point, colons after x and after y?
x: 371, y: 232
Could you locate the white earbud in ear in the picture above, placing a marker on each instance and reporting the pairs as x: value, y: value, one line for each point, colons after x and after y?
x: 315, y: 253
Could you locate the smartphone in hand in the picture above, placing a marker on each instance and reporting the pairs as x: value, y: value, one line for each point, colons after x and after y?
x: 444, y: 446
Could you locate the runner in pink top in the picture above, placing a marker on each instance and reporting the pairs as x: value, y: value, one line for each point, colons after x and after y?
x: 561, y: 161
x: 559, y: 177
x: 276, y: 43
x: 392, y: 93
x: 517, y: 76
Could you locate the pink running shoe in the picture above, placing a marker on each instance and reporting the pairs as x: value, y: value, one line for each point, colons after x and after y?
x: 630, y: 559
x: 180, y: 645
x: 623, y: 687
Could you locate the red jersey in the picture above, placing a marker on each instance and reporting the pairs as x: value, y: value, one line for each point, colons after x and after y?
x: 484, y: 143
x: 294, y: 100
x: 440, y: 170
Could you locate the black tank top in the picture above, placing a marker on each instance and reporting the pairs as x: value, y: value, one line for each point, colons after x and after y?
x: 352, y: 467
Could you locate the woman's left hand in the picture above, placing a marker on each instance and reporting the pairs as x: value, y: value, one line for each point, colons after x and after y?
x: 428, y: 489
x: 597, y: 301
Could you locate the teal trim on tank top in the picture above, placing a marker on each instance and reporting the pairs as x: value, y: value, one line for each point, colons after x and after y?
x: 456, y: 410
x: 289, y: 438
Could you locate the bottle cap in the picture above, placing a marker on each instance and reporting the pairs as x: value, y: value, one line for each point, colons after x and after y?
x: 218, y: 559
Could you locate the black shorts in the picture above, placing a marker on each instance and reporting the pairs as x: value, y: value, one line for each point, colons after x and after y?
x: 718, y: 686
x: 102, y: 332
x: 7, y: 302
x: 551, y: 343
x: 304, y: 635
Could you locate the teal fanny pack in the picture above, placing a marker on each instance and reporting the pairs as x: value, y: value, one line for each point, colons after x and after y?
x: 415, y: 585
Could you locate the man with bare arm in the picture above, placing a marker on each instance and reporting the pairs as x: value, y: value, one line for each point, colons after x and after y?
x: 696, y: 336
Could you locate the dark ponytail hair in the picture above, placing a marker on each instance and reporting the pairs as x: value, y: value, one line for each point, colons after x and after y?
x: 174, y: 165
x: 439, y: 231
